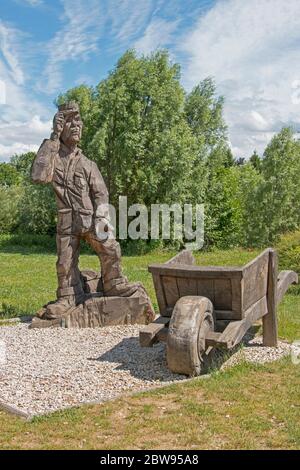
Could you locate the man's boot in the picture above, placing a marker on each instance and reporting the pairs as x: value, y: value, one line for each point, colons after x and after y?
x: 120, y: 287
x: 60, y: 307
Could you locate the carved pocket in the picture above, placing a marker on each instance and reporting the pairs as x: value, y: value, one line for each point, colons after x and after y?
x: 85, y: 216
x: 79, y: 180
x: 64, y: 222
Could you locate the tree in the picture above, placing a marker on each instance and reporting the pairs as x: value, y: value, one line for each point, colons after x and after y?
x: 10, y: 197
x: 37, y: 210
x: 249, y: 195
x: 9, y: 176
x: 137, y: 130
x: 22, y: 163
x: 280, y: 192
x: 240, y: 161
x: 204, y: 113
x: 255, y: 161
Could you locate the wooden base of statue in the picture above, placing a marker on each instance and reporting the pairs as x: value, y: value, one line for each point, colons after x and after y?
x: 98, y: 310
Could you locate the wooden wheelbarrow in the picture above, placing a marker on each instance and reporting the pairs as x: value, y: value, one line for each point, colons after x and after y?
x: 205, y: 307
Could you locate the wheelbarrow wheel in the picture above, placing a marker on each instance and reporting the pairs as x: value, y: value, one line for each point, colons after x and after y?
x: 191, y: 320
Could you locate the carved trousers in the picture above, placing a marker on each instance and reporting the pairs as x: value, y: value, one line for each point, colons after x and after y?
x: 68, y: 249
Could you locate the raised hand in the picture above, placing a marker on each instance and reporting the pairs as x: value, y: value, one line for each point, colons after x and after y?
x: 58, y: 125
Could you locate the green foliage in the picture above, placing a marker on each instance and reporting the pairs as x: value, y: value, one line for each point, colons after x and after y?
x: 37, y: 210
x: 275, y: 205
x: 255, y: 160
x: 9, y: 176
x: 22, y: 163
x: 204, y: 114
x: 288, y: 248
x: 281, y: 192
x: 222, y: 204
x: 155, y: 143
x: 10, y: 197
x: 142, y: 142
x: 249, y: 196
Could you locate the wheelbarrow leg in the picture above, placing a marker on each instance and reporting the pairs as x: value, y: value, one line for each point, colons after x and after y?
x: 270, y: 330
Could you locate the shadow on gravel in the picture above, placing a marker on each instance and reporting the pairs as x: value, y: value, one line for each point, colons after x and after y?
x: 142, y: 363
x: 150, y: 363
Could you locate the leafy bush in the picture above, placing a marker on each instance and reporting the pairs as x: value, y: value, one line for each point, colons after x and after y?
x: 27, y: 243
x: 10, y: 198
x: 38, y: 210
x: 288, y: 249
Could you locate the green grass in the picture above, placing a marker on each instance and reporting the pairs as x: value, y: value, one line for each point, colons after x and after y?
x: 246, y: 407
x: 28, y: 279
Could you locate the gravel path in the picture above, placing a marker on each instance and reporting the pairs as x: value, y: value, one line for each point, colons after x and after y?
x: 50, y: 369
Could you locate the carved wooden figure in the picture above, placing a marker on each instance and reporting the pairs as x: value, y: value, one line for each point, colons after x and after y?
x: 82, y: 203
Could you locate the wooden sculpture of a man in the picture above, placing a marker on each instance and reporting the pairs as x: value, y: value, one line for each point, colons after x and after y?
x: 82, y: 199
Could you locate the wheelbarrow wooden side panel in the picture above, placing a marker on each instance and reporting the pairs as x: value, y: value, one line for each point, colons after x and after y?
x: 232, y: 290
x: 240, y: 296
x: 220, y: 285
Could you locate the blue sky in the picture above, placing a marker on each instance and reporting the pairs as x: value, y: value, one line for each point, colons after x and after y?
x: 250, y: 47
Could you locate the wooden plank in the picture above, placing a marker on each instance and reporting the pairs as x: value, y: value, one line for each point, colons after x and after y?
x: 198, y: 272
x: 162, y: 335
x: 270, y: 335
x: 171, y: 291
x: 161, y: 300
x: 222, y: 294
x: 257, y: 310
x: 255, y: 275
x: 284, y: 280
x: 213, y: 339
x: 237, y: 289
x: 184, y: 257
x: 254, y: 261
x: 205, y: 287
x: 187, y: 286
x: 227, y: 315
x: 235, y: 330
x: 148, y: 335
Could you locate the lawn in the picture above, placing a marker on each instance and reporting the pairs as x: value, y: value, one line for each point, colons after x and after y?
x: 245, y: 407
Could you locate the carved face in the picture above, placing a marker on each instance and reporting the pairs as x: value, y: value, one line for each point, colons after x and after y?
x: 72, y: 130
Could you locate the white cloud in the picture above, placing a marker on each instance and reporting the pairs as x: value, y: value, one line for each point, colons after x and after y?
x: 19, y: 137
x: 252, y: 50
x: 85, y: 24
x: 158, y: 34
x: 33, y: 3
x: 76, y: 40
x: 126, y: 18
x: 19, y: 131
x: 9, y: 48
x: 30, y: 3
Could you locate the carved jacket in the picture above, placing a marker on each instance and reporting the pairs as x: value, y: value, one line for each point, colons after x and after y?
x: 80, y: 190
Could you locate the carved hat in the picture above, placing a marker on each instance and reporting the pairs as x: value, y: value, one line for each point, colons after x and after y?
x: 70, y: 106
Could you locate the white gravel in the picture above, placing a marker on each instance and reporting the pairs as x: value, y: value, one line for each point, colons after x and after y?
x: 254, y: 351
x: 50, y: 369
